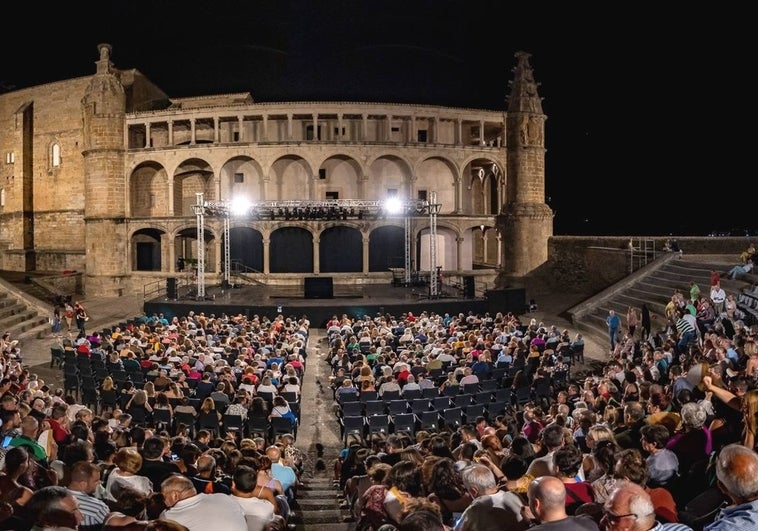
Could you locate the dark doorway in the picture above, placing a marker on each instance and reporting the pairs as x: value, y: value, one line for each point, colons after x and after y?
x: 291, y: 251
x: 386, y: 248
x: 341, y: 250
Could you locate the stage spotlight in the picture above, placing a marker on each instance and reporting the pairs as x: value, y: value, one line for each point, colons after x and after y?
x: 239, y: 206
x: 393, y: 205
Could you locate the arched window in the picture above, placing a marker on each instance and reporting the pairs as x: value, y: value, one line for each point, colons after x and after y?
x: 55, y: 155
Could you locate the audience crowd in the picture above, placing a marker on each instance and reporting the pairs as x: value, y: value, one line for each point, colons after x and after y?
x: 660, y: 435
x: 158, y: 426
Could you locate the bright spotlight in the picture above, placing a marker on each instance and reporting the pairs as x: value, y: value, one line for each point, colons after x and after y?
x: 393, y: 205
x: 239, y: 206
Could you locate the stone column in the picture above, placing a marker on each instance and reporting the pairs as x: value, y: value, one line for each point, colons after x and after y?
x: 148, y: 143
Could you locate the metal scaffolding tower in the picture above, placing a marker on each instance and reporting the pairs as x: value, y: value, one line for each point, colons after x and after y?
x: 199, y: 209
x: 433, y: 207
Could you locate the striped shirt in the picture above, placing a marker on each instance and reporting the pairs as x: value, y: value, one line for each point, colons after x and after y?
x: 683, y: 326
x: 93, y: 510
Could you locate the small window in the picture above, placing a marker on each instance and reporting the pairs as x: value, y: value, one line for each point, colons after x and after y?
x: 422, y: 195
x: 332, y: 196
x: 395, y: 129
x: 10, y: 157
x: 239, y: 178
x: 236, y: 136
x: 391, y: 192
x: 2, y: 197
x: 152, y: 200
x: 322, y: 173
x: 55, y: 153
x: 421, y: 135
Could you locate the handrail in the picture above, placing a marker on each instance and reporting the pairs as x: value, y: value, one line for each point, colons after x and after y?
x: 238, y: 266
x: 153, y: 289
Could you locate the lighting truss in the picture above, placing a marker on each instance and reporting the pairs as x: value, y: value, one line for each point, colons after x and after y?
x: 330, y: 209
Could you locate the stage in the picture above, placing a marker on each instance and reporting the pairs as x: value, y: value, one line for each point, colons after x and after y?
x: 319, y: 307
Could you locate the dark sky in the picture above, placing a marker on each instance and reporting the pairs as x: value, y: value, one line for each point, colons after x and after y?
x: 650, y: 113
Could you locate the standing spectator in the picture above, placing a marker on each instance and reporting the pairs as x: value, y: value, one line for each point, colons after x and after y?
x: 718, y: 296
x: 632, y: 320
x: 614, y: 326
x: 68, y: 314
x: 80, y: 314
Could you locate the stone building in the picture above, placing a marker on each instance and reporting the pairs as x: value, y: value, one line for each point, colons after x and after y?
x: 109, y: 176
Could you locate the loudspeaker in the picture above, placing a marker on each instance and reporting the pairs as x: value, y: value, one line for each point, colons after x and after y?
x: 171, y: 291
x: 469, y: 287
x: 319, y: 288
x: 507, y: 300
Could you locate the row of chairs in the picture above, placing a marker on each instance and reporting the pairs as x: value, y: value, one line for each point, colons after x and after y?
x: 364, y: 427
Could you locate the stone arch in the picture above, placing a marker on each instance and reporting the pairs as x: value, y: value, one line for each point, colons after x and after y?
x: 341, y: 250
x: 146, y: 250
x: 482, y: 190
x: 185, y: 246
x: 191, y: 177
x: 291, y: 250
x: 241, y: 177
x: 388, y: 172
x: 291, y: 178
x: 148, y: 191
x: 437, y: 174
x: 386, y: 248
x: 245, y: 248
x: 342, y: 175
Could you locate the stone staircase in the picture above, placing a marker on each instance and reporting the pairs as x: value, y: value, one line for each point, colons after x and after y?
x: 21, y: 313
x: 653, y: 285
x: 317, y: 507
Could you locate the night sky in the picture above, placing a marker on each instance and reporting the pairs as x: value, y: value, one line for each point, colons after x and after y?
x: 650, y: 113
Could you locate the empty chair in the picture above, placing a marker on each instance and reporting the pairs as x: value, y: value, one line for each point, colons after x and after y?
x: 161, y: 418
x: 483, y: 397
x: 233, y: 424
x: 353, y: 427
x: 523, y: 395
x: 378, y: 425
x: 404, y: 423
x: 389, y: 396
x: 440, y: 403
x: 352, y: 409
x: 412, y: 394
x: 462, y: 400
x: 367, y: 396
x: 282, y: 426
x: 489, y: 385
x: 473, y: 411
x: 430, y: 392
x: 453, y: 417
x: 429, y: 421
x: 397, y: 407
x: 258, y: 425
x: 419, y: 405
x: 496, y: 408
x: 374, y: 407
x: 471, y: 388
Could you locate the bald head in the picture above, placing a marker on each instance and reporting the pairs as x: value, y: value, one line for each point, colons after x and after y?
x: 547, y: 498
x: 737, y: 470
x: 631, y: 499
x: 274, y: 453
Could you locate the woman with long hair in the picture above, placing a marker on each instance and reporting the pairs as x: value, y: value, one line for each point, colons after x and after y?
x: 748, y: 405
x: 447, y: 490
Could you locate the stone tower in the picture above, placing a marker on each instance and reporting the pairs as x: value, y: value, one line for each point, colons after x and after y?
x: 103, y: 115
x: 526, y: 222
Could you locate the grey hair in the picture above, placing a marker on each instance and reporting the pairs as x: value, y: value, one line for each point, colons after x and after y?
x: 479, y: 477
x: 693, y: 415
x: 737, y: 470
x: 641, y: 505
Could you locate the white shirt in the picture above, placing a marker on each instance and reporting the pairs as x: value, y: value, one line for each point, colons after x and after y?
x: 200, y: 512
x: 258, y: 512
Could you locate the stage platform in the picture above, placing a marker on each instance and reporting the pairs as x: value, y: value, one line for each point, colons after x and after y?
x: 353, y: 300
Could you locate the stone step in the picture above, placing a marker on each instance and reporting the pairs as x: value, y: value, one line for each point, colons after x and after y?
x: 321, y: 516
x: 319, y: 494
x: 315, y: 504
x: 326, y: 527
